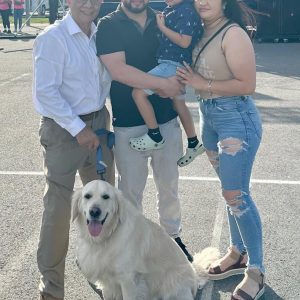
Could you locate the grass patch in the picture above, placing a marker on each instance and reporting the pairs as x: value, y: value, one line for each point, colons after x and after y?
x: 38, y: 20
x: 34, y: 19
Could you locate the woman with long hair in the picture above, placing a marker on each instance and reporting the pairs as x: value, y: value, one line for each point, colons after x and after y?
x: 224, y: 77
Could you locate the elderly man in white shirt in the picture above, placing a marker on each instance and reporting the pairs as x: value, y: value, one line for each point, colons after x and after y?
x: 70, y: 86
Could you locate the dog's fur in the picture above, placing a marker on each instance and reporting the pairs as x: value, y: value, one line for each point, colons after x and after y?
x: 131, y: 258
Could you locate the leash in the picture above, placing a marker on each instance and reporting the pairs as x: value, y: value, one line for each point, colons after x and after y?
x: 101, y: 169
x: 110, y: 142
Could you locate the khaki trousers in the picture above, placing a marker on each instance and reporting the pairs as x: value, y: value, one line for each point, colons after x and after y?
x: 133, y: 170
x: 62, y: 158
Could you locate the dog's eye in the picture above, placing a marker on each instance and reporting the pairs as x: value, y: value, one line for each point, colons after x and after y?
x: 105, y: 196
x: 87, y: 196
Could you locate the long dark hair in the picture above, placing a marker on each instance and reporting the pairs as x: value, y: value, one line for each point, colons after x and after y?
x: 240, y: 13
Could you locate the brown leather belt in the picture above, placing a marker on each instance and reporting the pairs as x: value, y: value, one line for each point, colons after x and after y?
x: 90, y: 116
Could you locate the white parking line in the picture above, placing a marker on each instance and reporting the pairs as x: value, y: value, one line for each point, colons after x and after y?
x: 22, y: 173
x: 215, y: 242
x: 185, y: 178
x: 14, y: 79
x: 14, y: 264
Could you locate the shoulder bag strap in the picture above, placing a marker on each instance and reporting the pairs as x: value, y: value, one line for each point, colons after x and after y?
x: 212, y: 37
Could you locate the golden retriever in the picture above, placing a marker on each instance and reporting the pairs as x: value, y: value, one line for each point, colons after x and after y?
x: 128, y: 256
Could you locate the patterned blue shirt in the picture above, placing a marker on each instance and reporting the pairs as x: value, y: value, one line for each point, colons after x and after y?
x: 183, y: 19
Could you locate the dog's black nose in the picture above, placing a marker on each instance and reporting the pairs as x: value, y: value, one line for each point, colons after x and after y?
x: 95, y: 212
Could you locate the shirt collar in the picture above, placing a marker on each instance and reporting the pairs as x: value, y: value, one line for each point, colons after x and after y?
x: 177, y: 5
x: 73, y: 27
x: 120, y: 14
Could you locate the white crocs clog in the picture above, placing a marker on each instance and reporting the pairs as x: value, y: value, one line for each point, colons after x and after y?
x: 190, y: 155
x: 145, y: 143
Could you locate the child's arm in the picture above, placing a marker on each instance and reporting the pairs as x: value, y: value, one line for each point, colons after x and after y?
x: 181, y: 40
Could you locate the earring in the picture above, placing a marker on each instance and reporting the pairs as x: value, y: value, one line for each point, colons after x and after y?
x: 224, y: 5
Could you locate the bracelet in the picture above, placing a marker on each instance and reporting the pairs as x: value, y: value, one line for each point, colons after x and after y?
x: 209, y: 87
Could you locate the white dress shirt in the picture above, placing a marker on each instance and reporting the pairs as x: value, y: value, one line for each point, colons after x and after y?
x: 69, y: 80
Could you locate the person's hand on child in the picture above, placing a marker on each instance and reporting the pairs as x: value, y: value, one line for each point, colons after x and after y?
x: 160, y: 19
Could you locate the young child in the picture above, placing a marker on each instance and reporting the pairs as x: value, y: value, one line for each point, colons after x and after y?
x: 180, y: 28
x: 18, y: 14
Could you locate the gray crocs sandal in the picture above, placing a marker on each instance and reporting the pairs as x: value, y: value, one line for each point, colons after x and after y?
x: 145, y: 143
x: 190, y: 155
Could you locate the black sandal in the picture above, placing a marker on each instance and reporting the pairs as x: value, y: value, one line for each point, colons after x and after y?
x: 260, y: 279
x: 235, y: 269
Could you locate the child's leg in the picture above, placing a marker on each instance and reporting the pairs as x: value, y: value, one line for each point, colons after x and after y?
x: 187, y: 122
x: 145, y: 108
x: 153, y: 139
x: 195, y: 148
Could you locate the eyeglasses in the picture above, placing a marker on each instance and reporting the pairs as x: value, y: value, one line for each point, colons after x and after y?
x: 93, y: 2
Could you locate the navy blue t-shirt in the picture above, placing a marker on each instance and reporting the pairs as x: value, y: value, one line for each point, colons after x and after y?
x: 183, y: 19
x: 118, y: 33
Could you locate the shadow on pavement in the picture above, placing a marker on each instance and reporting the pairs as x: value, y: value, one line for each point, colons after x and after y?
x: 228, y: 285
x: 260, y: 96
x: 270, y: 115
x: 276, y: 115
x: 271, y: 295
x: 280, y: 70
x: 268, y: 59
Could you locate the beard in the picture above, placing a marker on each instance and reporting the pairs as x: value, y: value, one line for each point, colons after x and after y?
x: 135, y: 10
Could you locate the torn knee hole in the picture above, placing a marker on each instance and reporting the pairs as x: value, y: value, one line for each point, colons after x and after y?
x: 234, y: 202
x: 233, y: 198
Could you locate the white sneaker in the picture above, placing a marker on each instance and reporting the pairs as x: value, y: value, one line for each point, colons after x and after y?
x: 190, y: 155
x: 145, y: 143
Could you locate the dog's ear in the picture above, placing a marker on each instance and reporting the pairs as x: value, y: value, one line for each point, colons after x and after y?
x: 76, y: 197
x: 121, y: 211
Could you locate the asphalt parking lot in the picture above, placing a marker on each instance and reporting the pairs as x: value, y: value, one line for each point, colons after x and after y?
x: 275, y: 182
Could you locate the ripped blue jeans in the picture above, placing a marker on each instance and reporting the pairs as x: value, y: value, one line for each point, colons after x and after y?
x: 231, y: 133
